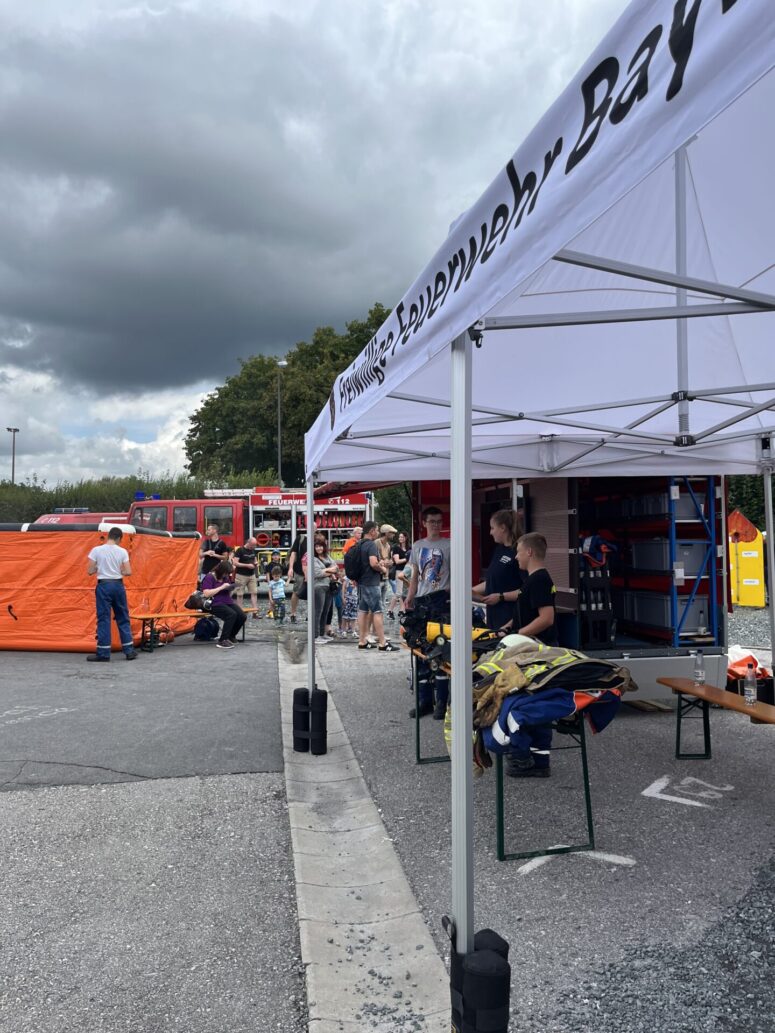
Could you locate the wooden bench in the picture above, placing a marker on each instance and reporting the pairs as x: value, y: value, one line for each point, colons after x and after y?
x: 149, y: 622
x: 699, y: 697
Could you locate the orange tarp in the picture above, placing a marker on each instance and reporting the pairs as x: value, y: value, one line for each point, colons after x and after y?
x: 47, y: 598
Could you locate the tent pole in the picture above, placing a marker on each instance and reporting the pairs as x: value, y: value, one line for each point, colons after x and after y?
x: 310, y: 584
x: 769, y: 525
x: 724, y: 564
x: 460, y: 563
x: 682, y: 333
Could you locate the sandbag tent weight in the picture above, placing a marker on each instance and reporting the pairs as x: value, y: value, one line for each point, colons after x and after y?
x: 310, y: 721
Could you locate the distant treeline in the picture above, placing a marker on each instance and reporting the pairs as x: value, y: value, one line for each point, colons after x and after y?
x: 21, y: 503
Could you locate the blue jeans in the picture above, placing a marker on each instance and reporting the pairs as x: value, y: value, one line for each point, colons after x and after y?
x: 111, y: 600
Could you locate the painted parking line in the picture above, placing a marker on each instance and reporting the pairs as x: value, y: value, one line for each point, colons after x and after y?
x: 688, y: 788
x: 20, y: 714
x: 621, y: 859
x: 595, y: 855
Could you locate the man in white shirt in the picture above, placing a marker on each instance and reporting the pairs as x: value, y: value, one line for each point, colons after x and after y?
x: 110, y: 562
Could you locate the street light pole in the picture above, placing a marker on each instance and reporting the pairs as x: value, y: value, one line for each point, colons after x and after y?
x: 281, y: 364
x: 13, y: 431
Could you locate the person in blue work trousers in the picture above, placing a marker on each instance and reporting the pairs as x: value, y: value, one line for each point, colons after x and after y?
x: 534, y: 614
x: 110, y: 562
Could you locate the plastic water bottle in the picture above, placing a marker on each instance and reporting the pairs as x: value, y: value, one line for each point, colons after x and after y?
x: 699, y: 668
x: 749, y: 686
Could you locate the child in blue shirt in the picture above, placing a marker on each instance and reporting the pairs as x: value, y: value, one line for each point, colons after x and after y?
x: 277, y: 593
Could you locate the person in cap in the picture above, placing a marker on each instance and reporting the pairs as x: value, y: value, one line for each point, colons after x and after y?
x: 110, y: 562
x: 385, y: 548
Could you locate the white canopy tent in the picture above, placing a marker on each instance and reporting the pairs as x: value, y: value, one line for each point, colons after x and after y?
x: 605, y: 308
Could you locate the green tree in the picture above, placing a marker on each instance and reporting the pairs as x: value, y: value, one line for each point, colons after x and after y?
x: 394, y: 506
x: 746, y: 493
x: 235, y: 428
x: 24, y: 503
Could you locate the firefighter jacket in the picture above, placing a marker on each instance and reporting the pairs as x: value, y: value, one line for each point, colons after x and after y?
x: 532, y: 684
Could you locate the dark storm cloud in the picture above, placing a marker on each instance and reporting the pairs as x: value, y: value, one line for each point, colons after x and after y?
x: 183, y: 188
x: 163, y: 205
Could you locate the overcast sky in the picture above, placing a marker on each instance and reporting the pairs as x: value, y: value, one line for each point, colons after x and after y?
x: 184, y: 183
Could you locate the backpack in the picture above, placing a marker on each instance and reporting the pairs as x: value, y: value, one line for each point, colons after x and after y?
x: 352, y: 561
x: 206, y: 629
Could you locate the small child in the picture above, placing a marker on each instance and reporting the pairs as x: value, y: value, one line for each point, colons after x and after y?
x: 277, y: 593
x: 349, y: 607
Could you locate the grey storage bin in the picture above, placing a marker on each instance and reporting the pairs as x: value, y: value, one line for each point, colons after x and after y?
x: 658, y: 504
x: 655, y: 555
x: 654, y: 609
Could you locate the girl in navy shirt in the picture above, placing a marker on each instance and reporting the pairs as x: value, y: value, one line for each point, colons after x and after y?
x: 503, y: 577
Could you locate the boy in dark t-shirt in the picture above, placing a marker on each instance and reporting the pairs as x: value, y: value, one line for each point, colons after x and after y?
x: 534, y: 615
x: 534, y: 610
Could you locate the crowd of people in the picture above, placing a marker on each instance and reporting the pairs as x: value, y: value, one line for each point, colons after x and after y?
x: 383, y: 574
x: 360, y: 604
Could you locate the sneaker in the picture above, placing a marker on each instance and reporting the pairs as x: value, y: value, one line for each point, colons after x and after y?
x: 95, y: 658
x: 234, y: 641
x: 321, y: 640
x: 391, y: 615
x: 439, y: 711
x: 257, y: 616
x: 293, y: 618
x: 365, y: 645
x: 517, y: 768
x: 131, y: 655
x: 425, y: 708
x: 372, y: 639
x: 387, y: 648
x: 226, y: 644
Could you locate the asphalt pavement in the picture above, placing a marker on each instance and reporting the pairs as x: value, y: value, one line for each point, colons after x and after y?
x: 147, y: 868
x: 682, y: 847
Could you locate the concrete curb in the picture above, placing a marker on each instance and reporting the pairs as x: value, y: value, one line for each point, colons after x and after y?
x: 369, y: 958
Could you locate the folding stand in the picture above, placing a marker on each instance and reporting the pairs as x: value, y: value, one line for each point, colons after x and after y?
x: 574, y: 728
x: 685, y: 704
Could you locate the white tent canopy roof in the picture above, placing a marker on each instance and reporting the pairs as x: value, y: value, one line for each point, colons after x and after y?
x: 665, y: 208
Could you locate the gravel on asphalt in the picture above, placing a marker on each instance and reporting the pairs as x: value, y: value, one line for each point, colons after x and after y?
x: 721, y: 984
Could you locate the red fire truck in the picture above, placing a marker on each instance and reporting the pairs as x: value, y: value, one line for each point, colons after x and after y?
x: 276, y: 515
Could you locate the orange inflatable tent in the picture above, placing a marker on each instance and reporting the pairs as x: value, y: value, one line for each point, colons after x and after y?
x: 47, y: 598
